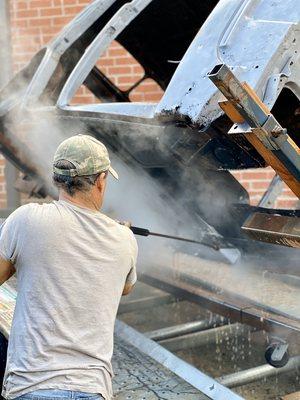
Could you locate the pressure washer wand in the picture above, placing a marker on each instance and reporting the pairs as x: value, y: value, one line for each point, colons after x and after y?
x: 146, y: 232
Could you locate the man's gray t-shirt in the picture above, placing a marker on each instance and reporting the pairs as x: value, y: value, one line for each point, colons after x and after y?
x: 72, y: 264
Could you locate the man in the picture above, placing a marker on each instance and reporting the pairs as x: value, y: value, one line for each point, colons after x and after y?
x: 73, y: 264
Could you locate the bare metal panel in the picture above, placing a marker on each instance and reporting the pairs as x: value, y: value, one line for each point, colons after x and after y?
x: 276, y: 229
x: 258, y: 39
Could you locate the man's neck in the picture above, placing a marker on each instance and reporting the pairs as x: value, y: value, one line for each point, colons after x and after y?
x: 81, y: 200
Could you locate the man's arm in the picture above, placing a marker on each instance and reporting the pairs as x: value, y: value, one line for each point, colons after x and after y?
x: 11, y: 241
x: 6, y: 270
x: 132, y: 276
x: 127, y: 288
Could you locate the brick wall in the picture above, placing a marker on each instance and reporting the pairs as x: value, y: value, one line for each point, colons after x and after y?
x: 35, y: 22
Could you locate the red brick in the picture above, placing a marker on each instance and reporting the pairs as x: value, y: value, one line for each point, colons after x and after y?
x: 125, y: 61
x: 105, y: 62
x: 152, y: 97
x: 48, y: 12
x: 20, y: 33
x: 145, y: 88
x: 21, y: 23
x: 40, y: 4
x: 120, y: 70
x: 22, y: 5
x: 74, y: 10
x: 47, y: 38
x: 115, y: 45
x: 260, y: 184
x: 69, y: 2
x: 246, y: 185
x: 115, y: 52
x: 61, y: 21
x: 50, y: 30
x: 257, y: 175
x: 138, y: 69
x: 127, y: 79
x: 136, y: 97
x: 26, y: 13
x: 39, y: 22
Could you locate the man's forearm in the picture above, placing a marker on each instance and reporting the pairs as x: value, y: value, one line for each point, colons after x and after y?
x: 6, y: 270
x: 127, y: 289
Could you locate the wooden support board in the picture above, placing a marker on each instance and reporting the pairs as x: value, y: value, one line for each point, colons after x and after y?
x: 232, y: 111
x: 267, y: 154
x: 275, y: 163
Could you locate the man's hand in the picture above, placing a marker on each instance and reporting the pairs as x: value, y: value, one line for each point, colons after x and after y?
x: 6, y: 270
x: 125, y: 223
x: 127, y: 289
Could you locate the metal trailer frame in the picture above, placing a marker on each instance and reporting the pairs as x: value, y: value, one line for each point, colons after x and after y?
x: 205, y: 384
x: 223, y: 302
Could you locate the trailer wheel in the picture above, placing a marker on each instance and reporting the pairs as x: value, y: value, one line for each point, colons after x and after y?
x: 276, y: 362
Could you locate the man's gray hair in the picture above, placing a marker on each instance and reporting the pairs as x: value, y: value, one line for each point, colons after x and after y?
x: 74, y: 184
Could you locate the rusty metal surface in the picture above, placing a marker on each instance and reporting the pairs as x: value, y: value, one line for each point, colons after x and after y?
x: 275, y: 229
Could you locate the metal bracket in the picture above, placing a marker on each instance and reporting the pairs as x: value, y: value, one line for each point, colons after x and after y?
x: 261, y: 128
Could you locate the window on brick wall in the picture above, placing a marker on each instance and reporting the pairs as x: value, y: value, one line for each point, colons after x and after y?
x: 287, y: 111
x: 84, y: 96
x: 125, y: 76
x: 257, y: 181
x: 147, y: 91
x: 120, y: 66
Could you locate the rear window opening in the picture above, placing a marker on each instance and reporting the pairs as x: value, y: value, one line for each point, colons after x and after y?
x: 287, y: 111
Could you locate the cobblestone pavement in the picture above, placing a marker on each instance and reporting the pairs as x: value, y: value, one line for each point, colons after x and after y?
x: 138, y: 377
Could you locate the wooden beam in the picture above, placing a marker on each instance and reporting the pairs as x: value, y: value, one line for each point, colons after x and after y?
x: 231, y: 112
x: 270, y: 158
x: 254, y: 96
x: 275, y: 163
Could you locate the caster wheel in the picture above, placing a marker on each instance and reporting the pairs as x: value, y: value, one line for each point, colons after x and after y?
x: 276, y: 355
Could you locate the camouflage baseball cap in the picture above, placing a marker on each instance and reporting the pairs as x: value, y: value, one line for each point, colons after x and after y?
x: 88, y: 155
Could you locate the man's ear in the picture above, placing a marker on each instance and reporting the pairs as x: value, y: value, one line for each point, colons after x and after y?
x: 100, y: 181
